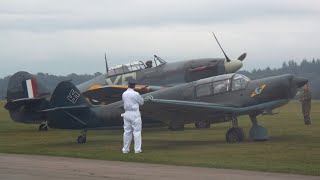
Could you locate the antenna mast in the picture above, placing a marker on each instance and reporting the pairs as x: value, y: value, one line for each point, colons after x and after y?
x: 105, y: 58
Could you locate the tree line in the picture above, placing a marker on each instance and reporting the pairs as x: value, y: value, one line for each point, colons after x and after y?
x: 309, y: 69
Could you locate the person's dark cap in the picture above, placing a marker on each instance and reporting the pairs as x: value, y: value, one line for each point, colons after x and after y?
x: 132, y: 81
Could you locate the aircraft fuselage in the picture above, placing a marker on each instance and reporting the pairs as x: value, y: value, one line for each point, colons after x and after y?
x: 262, y: 92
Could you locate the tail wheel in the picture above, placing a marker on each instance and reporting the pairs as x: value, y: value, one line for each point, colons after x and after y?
x: 235, y: 134
x: 82, y: 139
x: 202, y: 124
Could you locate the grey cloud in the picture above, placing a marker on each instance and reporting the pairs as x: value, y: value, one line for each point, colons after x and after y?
x: 131, y: 14
x: 72, y: 36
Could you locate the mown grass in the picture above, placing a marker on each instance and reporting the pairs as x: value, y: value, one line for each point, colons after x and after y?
x: 292, y: 148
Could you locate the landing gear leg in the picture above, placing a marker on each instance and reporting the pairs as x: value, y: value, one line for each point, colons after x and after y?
x: 257, y: 132
x: 83, y: 137
x: 43, y: 126
x: 235, y: 134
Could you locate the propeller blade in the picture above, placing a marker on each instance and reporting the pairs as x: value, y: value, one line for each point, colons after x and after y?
x: 228, y: 60
x: 241, y: 58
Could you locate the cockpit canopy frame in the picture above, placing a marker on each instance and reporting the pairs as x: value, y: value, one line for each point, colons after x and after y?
x: 133, y: 66
x: 220, y: 84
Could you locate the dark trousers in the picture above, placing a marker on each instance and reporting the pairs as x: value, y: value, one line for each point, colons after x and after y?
x: 306, y: 106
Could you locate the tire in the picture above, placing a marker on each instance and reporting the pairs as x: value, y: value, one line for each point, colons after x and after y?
x: 234, y: 135
x: 82, y: 139
x: 202, y: 124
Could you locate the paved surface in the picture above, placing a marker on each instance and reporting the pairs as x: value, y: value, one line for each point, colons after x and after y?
x: 29, y: 167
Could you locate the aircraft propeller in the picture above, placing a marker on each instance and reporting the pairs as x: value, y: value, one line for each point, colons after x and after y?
x: 231, y: 66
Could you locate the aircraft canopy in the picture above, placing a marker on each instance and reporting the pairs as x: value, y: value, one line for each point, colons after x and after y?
x: 133, y: 66
x: 126, y: 68
x: 221, y: 84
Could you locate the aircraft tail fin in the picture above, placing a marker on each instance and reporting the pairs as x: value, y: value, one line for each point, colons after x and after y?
x: 25, y: 97
x: 67, y: 94
x: 25, y: 85
x: 68, y: 107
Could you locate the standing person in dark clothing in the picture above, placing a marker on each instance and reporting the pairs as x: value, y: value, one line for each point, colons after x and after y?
x: 306, y: 104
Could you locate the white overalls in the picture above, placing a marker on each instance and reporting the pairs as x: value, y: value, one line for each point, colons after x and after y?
x: 132, y: 120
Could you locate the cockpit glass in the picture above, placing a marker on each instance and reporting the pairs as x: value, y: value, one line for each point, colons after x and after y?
x: 239, y: 82
x: 203, y: 90
x: 125, y: 68
x: 221, y: 86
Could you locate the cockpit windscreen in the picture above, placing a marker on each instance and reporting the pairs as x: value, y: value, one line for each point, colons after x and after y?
x: 239, y: 81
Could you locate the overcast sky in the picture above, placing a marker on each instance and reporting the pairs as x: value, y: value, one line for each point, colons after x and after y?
x: 63, y: 37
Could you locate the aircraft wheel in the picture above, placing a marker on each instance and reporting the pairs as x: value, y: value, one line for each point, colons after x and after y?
x: 235, y: 134
x: 82, y: 139
x: 202, y: 124
x: 43, y: 127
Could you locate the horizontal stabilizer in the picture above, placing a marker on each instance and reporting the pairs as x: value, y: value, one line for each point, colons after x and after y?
x: 64, y: 108
x: 27, y: 102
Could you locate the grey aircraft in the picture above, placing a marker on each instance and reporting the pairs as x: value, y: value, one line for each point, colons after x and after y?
x: 108, y: 88
x: 215, y: 99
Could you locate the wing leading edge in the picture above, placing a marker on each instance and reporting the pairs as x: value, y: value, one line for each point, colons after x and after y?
x: 113, y: 93
x: 210, y: 107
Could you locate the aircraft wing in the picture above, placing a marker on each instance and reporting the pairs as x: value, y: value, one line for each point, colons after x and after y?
x: 113, y: 93
x: 191, y: 109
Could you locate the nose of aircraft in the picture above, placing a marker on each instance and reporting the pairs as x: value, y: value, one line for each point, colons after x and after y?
x: 233, y: 65
x: 300, y: 81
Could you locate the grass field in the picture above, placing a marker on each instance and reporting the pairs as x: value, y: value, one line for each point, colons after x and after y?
x: 292, y: 148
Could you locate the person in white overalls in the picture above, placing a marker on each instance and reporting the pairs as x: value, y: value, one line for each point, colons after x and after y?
x: 132, y: 124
